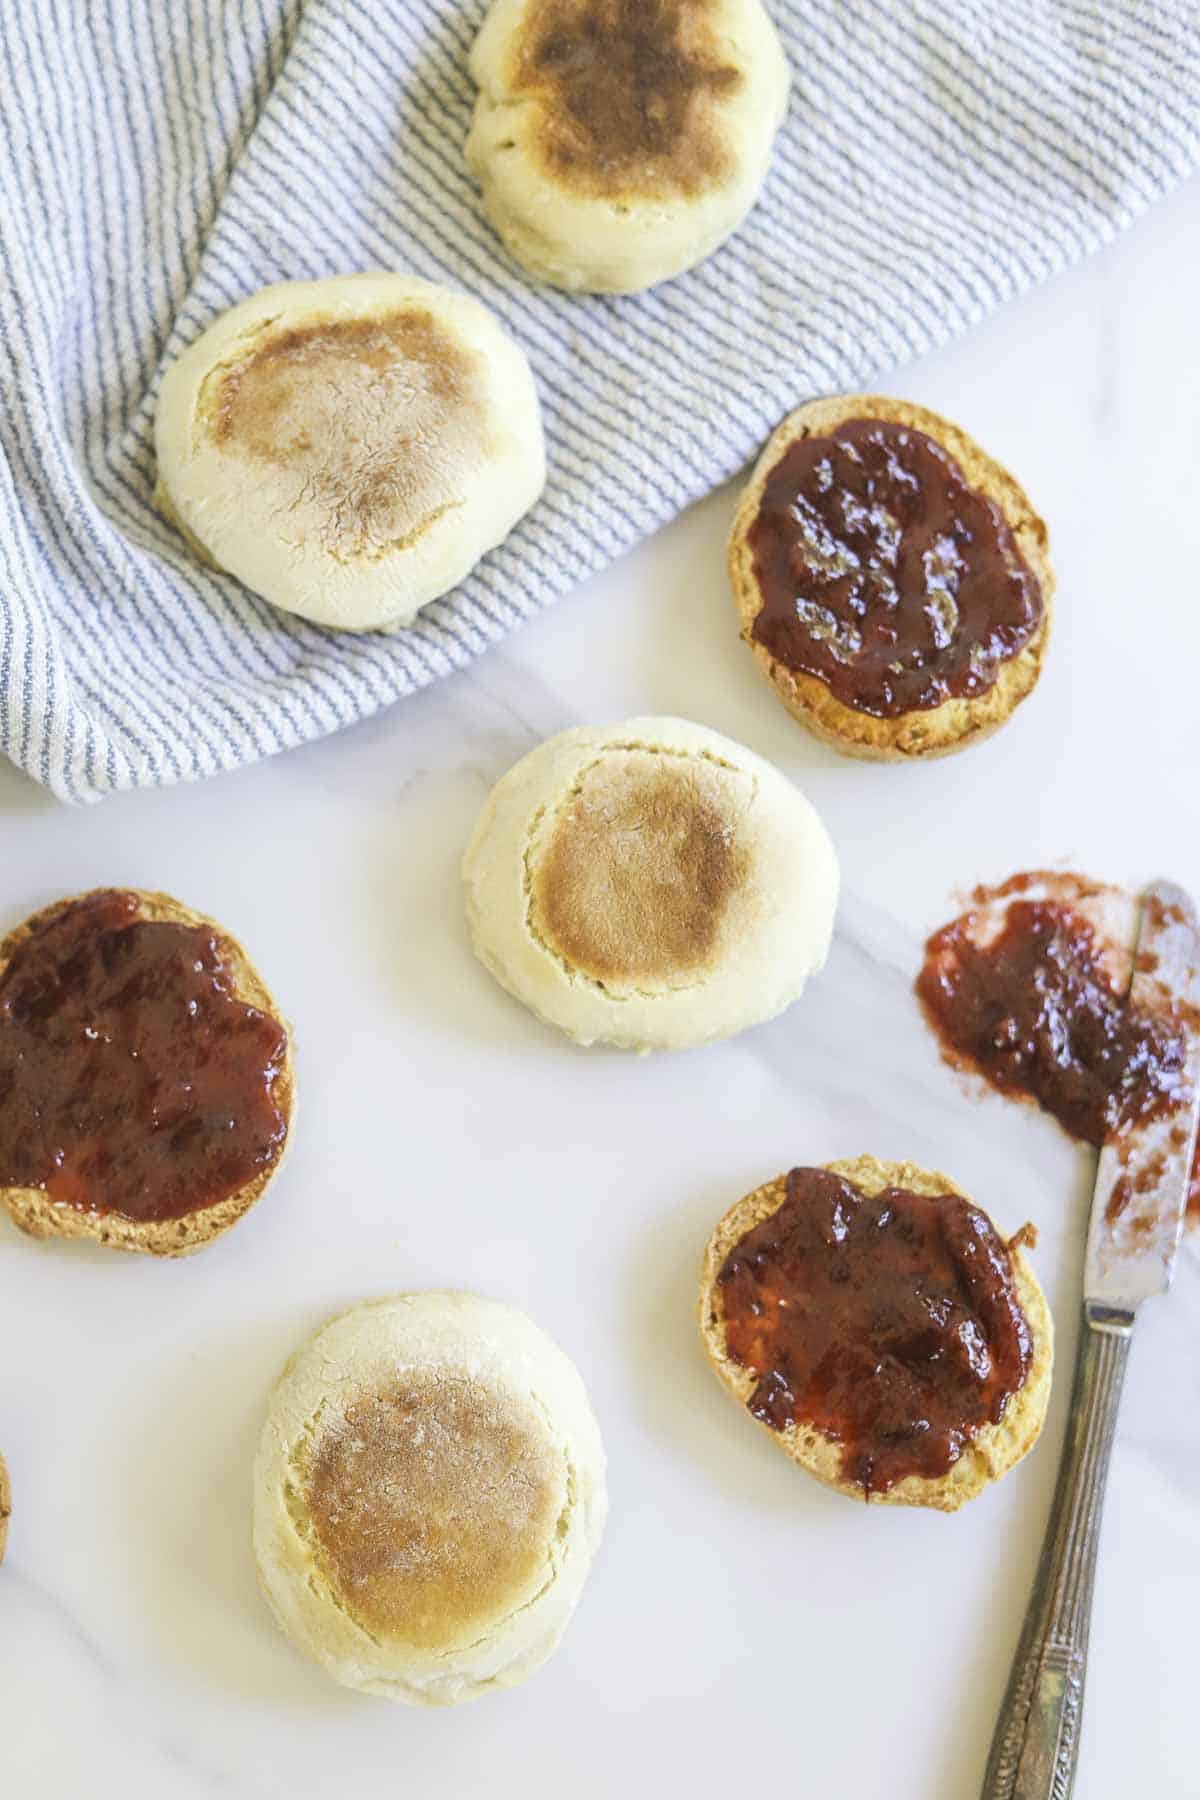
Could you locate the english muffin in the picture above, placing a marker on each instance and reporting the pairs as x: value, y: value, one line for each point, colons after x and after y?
x: 428, y: 1496
x: 146, y: 1083
x: 618, y: 142
x: 651, y: 885
x: 879, y: 1327
x: 349, y: 448
x: 891, y: 579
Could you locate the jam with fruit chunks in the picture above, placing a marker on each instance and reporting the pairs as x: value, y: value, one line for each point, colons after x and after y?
x: 889, y: 1322
x: 132, y: 1080
x: 1034, y: 1012
x: 884, y: 574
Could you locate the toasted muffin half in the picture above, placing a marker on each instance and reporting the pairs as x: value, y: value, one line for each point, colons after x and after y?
x: 984, y: 1458
x: 619, y: 142
x: 884, y: 728
x: 40, y: 1214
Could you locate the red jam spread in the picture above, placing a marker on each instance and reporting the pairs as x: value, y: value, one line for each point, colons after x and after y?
x: 1034, y: 1010
x: 885, y: 575
x: 132, y: 1081
x: 888, y: 1322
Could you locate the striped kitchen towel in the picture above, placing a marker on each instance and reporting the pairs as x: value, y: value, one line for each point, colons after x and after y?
x: 159, y: 159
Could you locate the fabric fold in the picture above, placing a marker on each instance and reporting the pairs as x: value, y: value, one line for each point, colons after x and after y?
x: 161, y: 162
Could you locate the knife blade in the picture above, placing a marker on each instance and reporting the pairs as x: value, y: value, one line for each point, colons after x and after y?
x: 1144, y: 1172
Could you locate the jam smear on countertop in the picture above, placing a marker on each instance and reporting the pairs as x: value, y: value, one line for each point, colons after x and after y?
x: 1034, y: 1011
x: 884, y: 574
x: 888, y: 1322
x: 132, y: 1080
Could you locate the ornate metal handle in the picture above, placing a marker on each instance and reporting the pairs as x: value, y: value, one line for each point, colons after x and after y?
x: 1036, y: 1743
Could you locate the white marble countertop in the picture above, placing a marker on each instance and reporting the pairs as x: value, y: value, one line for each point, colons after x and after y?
x: 742, y: 1627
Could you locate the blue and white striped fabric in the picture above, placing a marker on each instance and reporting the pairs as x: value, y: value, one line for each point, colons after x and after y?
x: 158, y: 161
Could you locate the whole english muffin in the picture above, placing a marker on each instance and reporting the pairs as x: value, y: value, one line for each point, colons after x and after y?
x: 997, y: 1444
x: 147, y: 1089
x: 349, y: 448
x: 618, y: 142
x: 856, y: 554
x: 651, y: 885
x: 428, y: 1496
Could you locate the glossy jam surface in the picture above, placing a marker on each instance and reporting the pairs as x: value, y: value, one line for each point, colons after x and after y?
x: 885, y: 575
x: 132, y: 1081
x: 1034, y: 1011
x: 888, y: 1322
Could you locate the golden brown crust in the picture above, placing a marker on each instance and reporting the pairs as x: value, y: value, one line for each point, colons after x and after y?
x: 300, y: 398
x: 644, y: 868
x: 40, y: 1217
x: 430, y: 1504
x: 996, y: 1449
x: 5, y: 1507
x: 956, y: 723
x: 629, y: 93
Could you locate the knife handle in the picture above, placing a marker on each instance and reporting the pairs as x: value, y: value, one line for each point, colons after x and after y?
x: 1036, y: 1742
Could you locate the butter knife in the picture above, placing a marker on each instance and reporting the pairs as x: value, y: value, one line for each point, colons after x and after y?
x: 1137, y: 1216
